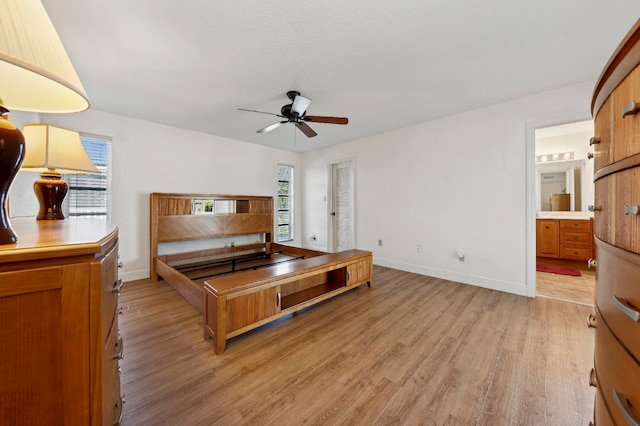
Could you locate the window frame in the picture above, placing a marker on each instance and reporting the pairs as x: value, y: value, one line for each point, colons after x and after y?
x: 289, y: 210
x: 105, y: 172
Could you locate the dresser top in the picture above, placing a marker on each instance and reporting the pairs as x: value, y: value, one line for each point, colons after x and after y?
x: 622, y: 62
x: 38, y: 239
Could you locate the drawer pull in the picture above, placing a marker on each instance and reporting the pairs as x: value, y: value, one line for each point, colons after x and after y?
x: 589, y: 155
x: 117, y: 420
x: 630, y: 109
x: 594, y: 141
x: 632, y: 209
x: 119, y: 354
x: 279, y: 299
x: 117, y: 286
x: 591, y: 321
x: 626, y: 309
x: 595, y: 209
x: 623, y: 404
x: 348, y: 276
x: 593, y: 381
x: 120, y: 265
x: 592, y: 263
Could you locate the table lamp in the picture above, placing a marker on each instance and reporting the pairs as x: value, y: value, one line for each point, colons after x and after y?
x: 36, y: 75
x: 53, y: 151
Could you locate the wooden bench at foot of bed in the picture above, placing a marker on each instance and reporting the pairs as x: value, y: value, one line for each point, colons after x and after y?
x: 235, y: 304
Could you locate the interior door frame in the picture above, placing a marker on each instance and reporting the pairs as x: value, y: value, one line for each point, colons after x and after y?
x: 331, y: 237
x: 530, y: 166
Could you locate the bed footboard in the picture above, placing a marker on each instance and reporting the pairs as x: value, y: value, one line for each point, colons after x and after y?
x: 237, y: 304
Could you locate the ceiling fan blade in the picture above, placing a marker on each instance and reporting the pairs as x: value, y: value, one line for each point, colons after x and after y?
x: 271, y: 127
x: 304, y: 128
x: 261, y: 112
x: 330, y: 120
x: 300, y: 104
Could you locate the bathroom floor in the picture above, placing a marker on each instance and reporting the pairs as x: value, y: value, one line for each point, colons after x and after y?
x: 566, y: 288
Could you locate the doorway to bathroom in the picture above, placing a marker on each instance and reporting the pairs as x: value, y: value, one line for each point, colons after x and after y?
x: 564, y: 191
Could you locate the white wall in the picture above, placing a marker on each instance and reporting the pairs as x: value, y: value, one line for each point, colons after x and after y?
x: 457, y: 183
x: 149, y: 157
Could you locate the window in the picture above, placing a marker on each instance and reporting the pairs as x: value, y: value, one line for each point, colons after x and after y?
x: 89, y: 194
x: 285, y: 203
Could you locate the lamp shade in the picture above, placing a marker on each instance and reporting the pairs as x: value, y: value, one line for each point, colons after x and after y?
x: 300, y: 104
x: 36, y: 72
x: 50, y: 147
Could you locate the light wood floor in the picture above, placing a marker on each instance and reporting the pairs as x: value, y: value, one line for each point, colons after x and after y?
x: 410, y: 350
x: 563, y: 287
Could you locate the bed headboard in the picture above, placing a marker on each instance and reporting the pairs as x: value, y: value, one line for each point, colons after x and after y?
x: 186, y: 217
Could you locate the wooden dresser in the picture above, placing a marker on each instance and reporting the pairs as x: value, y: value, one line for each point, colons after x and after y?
x: 616, y: 153
x: 59, y: 291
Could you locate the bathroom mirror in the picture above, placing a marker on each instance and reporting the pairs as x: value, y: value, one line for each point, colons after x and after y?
x: 560, y: 186
x: 563, y: 172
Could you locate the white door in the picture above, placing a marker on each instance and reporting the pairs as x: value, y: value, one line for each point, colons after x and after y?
x: 341, y: 215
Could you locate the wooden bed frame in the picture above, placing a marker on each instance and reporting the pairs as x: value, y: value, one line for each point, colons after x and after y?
x: 239, y: 287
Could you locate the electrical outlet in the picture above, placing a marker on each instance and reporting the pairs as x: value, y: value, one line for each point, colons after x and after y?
x: 380, y: 243
x: 418, y: 248
x: 460, y: 254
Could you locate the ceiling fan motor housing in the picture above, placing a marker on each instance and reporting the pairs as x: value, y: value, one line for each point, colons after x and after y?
x: 286, y: 111
x: 291, y: 94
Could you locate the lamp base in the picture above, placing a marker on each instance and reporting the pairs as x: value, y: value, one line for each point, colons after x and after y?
x: 50, y: 190
x: 11, y: 156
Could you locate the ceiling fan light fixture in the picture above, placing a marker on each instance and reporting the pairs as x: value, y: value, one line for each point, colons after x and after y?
x: 300, y: 105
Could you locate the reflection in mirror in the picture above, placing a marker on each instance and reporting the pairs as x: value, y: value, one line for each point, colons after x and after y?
x: 225, y: 206
x: 560, y: 185
x: 213, y: 206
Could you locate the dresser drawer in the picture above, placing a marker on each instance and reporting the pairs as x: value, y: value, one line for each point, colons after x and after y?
x: 618, y: 293
x: 576, y: 252
x: 110, y: 293
x: 617, y: 374
x: 117, y: 408
x: 626, y: 128
x: 626, y: 206
x: 113, y: 352
x: 601, y: 142
x: 601, y: 414
x: 576, y: 225
x: 605, y: 189
x: 575, y: 237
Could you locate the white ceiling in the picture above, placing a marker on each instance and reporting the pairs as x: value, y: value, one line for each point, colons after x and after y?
x: 384, y: 64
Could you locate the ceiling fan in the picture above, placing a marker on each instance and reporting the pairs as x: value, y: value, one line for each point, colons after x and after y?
x: 296, y: 113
